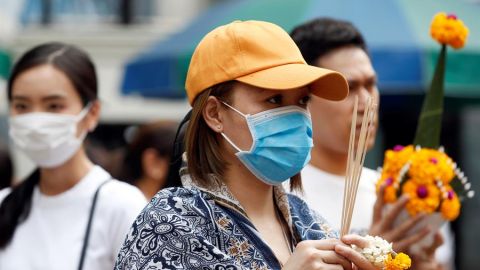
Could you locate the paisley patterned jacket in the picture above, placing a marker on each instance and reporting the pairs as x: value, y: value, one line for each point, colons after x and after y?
x: 192, y: 227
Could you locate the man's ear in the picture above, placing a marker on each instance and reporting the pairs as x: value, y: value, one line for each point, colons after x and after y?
x: 212, y: 114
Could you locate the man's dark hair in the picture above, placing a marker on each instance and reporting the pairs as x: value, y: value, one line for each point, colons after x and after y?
x: 320, y: 36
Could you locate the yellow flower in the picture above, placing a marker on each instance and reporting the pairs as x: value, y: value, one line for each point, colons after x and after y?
x: 450, y: 207
x: 400, y: 262
x: 390, y: 192
x: 394, y: 161
x: 424, y: 198
x: 397, y: 158
x: 428, y: 165
x: 449, y: 30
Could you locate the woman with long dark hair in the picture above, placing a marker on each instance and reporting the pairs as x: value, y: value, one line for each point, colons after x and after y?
x: 69, y: 213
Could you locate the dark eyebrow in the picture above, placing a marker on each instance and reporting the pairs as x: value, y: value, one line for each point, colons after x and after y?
x: 373, y: 78
x: 19, y: 98
x: 47, y: 98
x: 53, y: 98
x: 353, y: 82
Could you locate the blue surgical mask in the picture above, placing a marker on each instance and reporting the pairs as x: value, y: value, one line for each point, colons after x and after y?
x: 282, y: 140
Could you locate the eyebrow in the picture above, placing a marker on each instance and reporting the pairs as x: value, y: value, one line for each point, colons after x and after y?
x: 373, y: 78
x: 47, y: 98
x: 53, y: 97
x: 369, y: 79
x: 19, y: 98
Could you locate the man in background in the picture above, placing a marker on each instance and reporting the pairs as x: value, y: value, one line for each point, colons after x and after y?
x: 338, y: 45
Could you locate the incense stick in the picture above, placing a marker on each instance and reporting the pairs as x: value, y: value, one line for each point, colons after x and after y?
x: 349, y: 163
x: 356, y: 158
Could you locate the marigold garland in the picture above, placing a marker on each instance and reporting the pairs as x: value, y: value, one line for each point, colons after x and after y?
x: 449, y: 30
x: 428, y: 165
x: 391, y: 186
x: 450, y: 207
x: 424, y: 197
x: 396, y: 158
x: 425, y: 175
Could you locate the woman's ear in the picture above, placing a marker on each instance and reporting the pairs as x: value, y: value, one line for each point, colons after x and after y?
x: 213, y: 114
x: 93, y: 116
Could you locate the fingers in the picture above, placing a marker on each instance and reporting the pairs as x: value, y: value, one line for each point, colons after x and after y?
x: 326, y: 244
x: 393, y: 213
x: 379, y: 203
x: 438, y: 239
x: 353, y: 239
x: 437, y: 242
x: 329, y: 267
x: 400, y: 231
x: 331, y: 257
x: 403, y: 245
x: 427, y: 265
x: 356, y: 258
x: 317, y: 254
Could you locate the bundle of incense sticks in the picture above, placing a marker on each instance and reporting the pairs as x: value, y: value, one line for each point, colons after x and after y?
x: 356, y: 158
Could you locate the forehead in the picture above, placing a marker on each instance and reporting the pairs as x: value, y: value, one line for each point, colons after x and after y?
x: 351, y: 61
x: 41, y: 81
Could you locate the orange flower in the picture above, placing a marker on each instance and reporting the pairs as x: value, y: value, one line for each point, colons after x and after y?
x: 428, y: 165
x: 450, y: 207
x: 400, y: 262
x: 424, y: 198
x: 390, y: 191
x: 394, y: 161
x: 397, y: 158
x: 448, y: 30
x: 390, y: 194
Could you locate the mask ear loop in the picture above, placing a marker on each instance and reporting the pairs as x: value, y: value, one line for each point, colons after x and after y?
x: 84, y: 112
x: 223, y: 134
x: 231, y: 107
x: 230, y: 142
x: 79, y: 118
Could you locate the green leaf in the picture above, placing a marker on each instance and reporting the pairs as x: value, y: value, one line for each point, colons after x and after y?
x: 430, y: 120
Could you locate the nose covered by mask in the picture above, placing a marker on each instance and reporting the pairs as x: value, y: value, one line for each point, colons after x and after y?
x: 48, y: 139
x: 282, y: 140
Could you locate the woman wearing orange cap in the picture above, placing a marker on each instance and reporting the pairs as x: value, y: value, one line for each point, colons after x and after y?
x: 249, y: 130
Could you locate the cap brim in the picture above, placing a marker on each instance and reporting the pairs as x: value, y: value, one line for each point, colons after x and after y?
x: 322, y: 82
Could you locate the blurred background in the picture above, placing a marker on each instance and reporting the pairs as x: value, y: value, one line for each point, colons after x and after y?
x: 142, y: 48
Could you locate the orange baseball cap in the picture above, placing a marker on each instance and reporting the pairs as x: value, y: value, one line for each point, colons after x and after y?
x: 260, y: 54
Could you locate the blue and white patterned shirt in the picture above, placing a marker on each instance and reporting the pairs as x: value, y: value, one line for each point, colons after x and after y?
x: 192, y: 227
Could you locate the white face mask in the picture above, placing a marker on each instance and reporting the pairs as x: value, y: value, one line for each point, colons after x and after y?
x: 48, y: 139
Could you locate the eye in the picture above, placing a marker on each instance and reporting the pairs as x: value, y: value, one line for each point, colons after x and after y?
x: 55, y: 107
x: 371, y: 85
x: 277, y: 99
x: 305, y: 100
x: 20, y: 107
x: 353, y: 86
